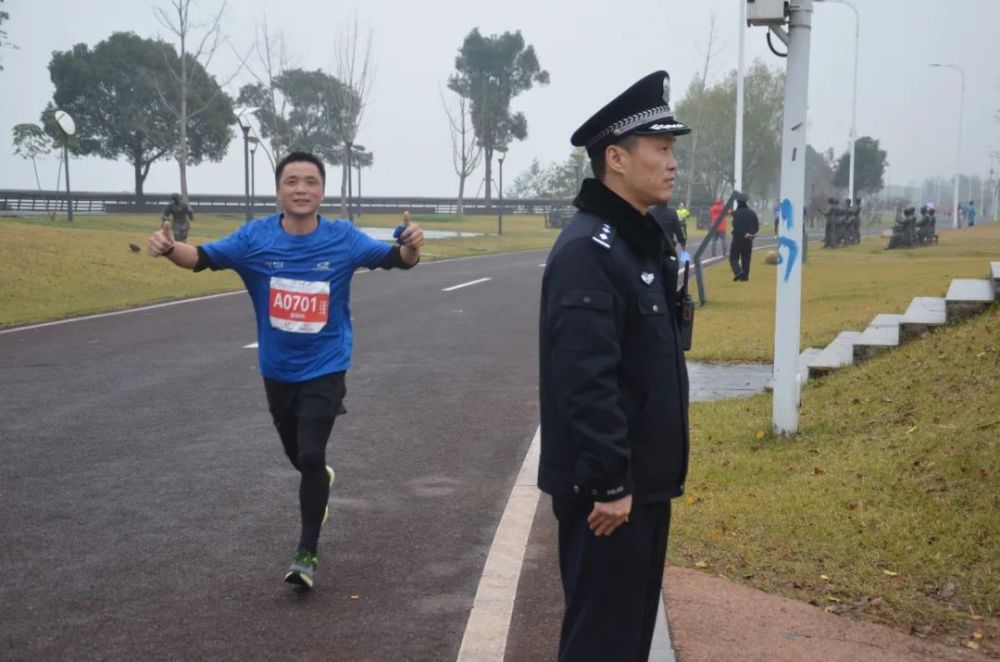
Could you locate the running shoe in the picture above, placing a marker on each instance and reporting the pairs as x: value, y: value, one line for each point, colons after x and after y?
x: 302, y: 570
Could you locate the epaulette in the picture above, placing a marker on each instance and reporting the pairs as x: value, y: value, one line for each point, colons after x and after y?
x: 605, y: 236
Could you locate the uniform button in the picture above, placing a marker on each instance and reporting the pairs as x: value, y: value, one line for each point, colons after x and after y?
x: 576, y: 489
x: 656, y: 308
x: 586, y: 299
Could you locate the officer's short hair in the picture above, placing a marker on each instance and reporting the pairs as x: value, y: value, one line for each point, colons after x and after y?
x: 600, y: 165
x: 295, y: 157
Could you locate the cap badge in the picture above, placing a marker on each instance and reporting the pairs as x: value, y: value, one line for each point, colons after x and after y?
x: 647, y: 278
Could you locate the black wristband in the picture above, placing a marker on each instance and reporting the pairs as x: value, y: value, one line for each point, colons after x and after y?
x: 168, y: 251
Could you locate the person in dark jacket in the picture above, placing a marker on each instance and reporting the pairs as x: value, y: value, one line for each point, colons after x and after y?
x: 745, y: 228
x: 613, y: 380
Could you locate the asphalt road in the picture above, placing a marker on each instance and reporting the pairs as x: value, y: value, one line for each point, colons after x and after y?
x: 147, y: 511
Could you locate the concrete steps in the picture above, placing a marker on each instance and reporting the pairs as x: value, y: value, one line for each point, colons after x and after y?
x: 968, y: 296
x: 836, y: 355
x: 965, y: 297
x: 882, y: 334
x: 921, y: 317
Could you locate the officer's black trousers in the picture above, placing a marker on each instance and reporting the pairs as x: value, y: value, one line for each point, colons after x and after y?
x: 740, y: 253
x: 611, y: 583
x: 303, y: 413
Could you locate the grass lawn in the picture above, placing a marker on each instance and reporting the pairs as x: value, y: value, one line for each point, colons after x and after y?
x: 53, y: 269
x: 885, y: 506
x: 842, y: 290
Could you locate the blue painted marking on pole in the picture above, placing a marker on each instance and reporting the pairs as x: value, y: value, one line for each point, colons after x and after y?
x: 788, y: 216
x: 793, y: 254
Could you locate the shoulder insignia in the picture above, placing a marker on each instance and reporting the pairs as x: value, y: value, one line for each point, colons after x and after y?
x: 605, y: 236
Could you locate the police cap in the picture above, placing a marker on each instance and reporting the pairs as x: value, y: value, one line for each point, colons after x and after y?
x: 643, y: 109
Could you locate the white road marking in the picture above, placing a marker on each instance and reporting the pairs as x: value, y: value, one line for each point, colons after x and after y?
x: 252, y: 345
x: 542, y: 264
x: 119, y: 312
x: 486, y: 631
x: 460, y: 286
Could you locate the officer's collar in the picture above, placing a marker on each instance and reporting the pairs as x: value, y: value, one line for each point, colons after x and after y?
x: 640, y: 231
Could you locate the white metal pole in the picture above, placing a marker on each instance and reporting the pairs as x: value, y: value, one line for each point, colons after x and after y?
x: 958, y: 147
x: 788, y: 301
x: 738, y: 165
x: 854, y: 97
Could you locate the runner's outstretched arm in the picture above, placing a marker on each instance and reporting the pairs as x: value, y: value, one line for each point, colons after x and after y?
x: 162, y: 244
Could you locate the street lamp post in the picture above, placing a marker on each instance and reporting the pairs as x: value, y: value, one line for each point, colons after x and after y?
x: 359, y: 163
x: 243, y: 119
x: 578, y: 157
x: 502, y: 151
x: 68, y: 127
x: 253, y: 172
x: 854, y: 96
x: 958, y: 148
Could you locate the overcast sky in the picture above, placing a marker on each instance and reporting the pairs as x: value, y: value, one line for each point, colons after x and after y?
x: 592, y: 50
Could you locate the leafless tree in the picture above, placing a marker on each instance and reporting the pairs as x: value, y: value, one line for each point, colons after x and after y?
x: 709, y: 54
x: 355, y: 69
x: 466, y: 154
x: 177, y: 20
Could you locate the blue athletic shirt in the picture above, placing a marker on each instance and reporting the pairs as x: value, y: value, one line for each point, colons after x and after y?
x: 300, y: 287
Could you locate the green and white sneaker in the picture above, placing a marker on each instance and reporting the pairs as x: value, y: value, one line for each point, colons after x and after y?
x: 302, y: 570
x: 329, y: 472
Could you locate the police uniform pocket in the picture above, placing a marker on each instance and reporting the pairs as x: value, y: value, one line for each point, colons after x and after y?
x: 583, y: 320
x: 653, y: 322
x: 592, y: 299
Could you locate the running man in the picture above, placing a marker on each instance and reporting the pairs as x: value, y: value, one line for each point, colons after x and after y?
x: 297, y: 267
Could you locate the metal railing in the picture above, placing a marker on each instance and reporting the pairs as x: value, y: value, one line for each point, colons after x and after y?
x: 90, y: 202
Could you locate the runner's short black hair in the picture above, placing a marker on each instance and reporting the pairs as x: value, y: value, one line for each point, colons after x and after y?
x: 294, y: 157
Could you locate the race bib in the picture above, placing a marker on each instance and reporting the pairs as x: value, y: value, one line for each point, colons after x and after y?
x: 299, y: 306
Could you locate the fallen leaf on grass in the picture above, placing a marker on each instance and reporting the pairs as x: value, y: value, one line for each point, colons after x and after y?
x: 817, y: 471
x: 824, y: 577
x: 689, y: 501
x: 984, y: 473
x: 355, y: 597
x: 890, y: 573
x: 972, y: 644
x: 832, y: 599
x: 760, y: 434
x: 701, y: 564
x: 977, y: 635
x: 886, y: 398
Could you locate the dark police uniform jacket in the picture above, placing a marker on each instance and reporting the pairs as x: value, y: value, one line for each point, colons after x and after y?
x: 671, y: 224
x: 613, y: 381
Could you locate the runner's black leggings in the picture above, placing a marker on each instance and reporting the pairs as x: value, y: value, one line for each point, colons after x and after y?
x: 303, y: 413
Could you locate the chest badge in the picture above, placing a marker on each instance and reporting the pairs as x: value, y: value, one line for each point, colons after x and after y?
x: 647, y: 278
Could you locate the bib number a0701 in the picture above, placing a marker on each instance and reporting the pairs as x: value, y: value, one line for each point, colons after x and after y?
x: 299, y: 306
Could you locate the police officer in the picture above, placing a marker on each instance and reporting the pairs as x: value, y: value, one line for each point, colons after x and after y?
x: 745, y: 227
x: 613, y: 381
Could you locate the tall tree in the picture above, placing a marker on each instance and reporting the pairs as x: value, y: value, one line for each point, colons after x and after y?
x: 355, y: 69
x: 196, y: 91
x: 696, y: 94
x: 490, y: 71
x: 304, y: 110
x: 713, y: 174
x: 869, y: 167
x: 466, y: 154
x: 113, y: 93
x: 32, y: 142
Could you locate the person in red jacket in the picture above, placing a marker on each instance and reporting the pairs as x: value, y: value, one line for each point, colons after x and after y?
x: 716, y: 211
